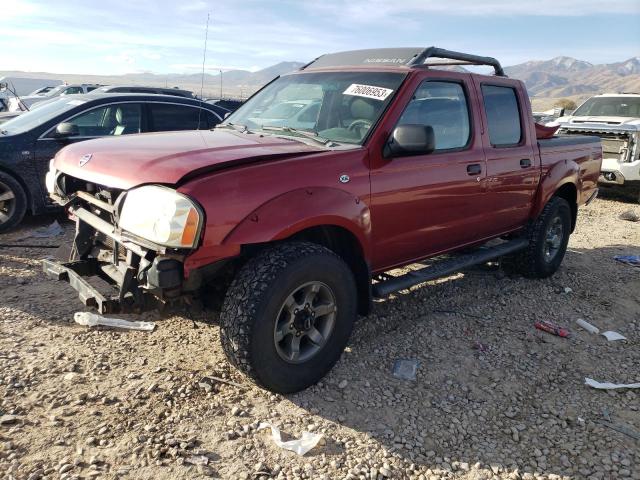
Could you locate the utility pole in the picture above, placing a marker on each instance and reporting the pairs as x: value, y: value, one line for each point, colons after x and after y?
x: 220, y: 84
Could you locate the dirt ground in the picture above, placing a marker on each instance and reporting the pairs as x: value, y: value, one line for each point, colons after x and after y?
x: 494, y: 398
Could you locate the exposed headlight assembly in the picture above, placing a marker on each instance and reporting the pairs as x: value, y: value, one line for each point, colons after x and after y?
x: 161, y: 215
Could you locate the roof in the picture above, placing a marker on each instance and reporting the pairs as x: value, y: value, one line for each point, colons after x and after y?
x: 143, y: 97
x: 407, y: 57
x: 134, y: 96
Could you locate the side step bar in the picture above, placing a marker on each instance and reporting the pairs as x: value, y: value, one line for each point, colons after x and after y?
x: 447, y: 267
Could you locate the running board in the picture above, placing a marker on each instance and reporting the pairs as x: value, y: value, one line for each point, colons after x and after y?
x: 447, y: 267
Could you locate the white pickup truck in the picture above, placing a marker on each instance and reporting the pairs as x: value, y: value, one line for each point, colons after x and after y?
x: 615, y: 118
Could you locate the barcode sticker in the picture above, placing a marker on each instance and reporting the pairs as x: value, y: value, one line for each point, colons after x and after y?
x: 368, y: 91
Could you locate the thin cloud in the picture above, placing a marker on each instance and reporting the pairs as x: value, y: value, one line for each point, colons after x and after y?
x: 362, y: 11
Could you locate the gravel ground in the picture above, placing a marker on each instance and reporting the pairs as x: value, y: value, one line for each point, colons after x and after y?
x: 494, y: 398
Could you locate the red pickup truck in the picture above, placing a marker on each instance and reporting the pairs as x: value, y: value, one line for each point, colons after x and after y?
x: 294, y: 209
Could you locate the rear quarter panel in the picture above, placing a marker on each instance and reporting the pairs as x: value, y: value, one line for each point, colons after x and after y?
x: 575, y: 160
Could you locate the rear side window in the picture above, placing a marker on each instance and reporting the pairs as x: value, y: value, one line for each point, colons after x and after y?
x: 503, y: 115
x: 167, y: 117
x: 443, y: 106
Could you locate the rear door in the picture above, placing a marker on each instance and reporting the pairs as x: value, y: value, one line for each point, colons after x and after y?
x: 165, y: 117
x: 513, y: 169
x: 426, y: 204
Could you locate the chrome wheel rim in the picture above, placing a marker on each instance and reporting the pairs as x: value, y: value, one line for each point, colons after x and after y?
x: 553, y: 239
x: 305, y: 322
x: 7, y: 202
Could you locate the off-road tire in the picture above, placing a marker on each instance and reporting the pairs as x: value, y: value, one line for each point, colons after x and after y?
x: 19, y: 202
x: 250, y: 310
x: 531, y: 261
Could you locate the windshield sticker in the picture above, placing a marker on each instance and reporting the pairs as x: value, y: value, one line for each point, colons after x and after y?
x: 368, y: 91
x: 76, y: 102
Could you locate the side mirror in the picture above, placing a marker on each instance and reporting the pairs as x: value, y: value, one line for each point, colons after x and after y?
x: 66, y: 130
x: 406, y: 140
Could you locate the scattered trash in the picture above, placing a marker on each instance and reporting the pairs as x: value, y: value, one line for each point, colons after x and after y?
x: 197, y: 460
x: 552, y: 328
x: 609, y: 386
x: 630, y: 216
x: 52, y: 230
x: 89, y: 319
x: 633, y: 260
x: 405, y: 369
x: 587, y: 326
x: 620, y: 428
x: 613, y: 336
x: 300, y: 446
x: 568, y: 289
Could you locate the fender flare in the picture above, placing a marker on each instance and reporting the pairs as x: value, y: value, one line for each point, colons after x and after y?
x: 300, y: 209
x: 560, y: 174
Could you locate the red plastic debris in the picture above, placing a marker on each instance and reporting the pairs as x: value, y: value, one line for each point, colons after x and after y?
x: 552, y: 328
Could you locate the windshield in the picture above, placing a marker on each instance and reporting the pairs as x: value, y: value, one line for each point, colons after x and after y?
x: 55, y: 91
x: 337, y: 106
x: 609, y: 107
x: 42, y: 114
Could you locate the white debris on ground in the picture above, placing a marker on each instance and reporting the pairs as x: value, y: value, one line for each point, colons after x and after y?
x: 493, y: 397
x: 89, y: 319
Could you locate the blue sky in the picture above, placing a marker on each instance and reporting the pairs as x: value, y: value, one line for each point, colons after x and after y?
x: 162, y: 36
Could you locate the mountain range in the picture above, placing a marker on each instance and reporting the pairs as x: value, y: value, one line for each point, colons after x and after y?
x: 546, y: 80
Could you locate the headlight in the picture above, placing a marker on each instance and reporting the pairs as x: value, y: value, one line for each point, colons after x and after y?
x: 161, y: 215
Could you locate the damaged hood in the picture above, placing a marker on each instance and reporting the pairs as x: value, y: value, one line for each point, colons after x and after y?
x: 167, y: 158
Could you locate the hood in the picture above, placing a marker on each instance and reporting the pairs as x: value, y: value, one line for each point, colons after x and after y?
x: 632, y: 122
x: 167, y: 158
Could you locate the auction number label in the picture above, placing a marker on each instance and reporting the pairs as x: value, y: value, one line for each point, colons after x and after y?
x: 368, y: 91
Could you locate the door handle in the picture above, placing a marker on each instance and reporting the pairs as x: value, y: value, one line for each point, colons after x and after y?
x: 525, y: 163
x: 474, y: 169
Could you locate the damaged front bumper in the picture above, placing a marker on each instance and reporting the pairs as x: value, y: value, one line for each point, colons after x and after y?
x: 73, y: 273
x: 140, y: 274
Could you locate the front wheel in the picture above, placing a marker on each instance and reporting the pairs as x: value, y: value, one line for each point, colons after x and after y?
x: 13, y: 202
x: 548, y: 239
x: 288, y: 315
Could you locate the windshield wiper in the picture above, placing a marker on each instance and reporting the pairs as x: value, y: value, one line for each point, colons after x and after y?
x: 305, y: 133
x: 239, y: 128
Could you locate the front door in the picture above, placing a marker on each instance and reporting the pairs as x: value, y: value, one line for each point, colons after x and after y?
x: 425, y: 204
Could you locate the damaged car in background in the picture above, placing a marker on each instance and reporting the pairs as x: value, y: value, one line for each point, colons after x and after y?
x: 615, y: 118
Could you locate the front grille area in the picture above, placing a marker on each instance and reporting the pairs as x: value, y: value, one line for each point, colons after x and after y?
x: 613, y: 144
x: 109, y: 244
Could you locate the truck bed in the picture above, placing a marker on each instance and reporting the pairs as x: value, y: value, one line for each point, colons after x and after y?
x: 584, y: 150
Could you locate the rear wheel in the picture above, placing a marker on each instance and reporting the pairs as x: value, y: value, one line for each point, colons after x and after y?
x: 548, y: 239
x: 288, y: 315
x: 13, y: 202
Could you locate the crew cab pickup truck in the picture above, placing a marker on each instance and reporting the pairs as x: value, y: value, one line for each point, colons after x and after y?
x: 615, y: 118
x: 297, y: 229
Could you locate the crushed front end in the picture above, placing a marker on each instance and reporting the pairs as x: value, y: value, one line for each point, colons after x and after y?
x: 133, y: 241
